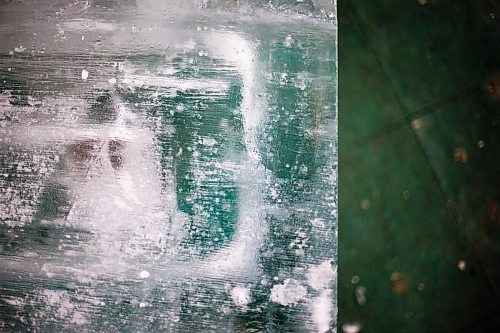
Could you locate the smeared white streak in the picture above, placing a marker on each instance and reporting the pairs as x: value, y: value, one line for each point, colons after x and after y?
x: 124, y: 208
x: 88, y: 25
x: 234, y: 49
x: 138, y: 81
x: 241, y: 254
x: 322, y: 310
x: 321, y: 278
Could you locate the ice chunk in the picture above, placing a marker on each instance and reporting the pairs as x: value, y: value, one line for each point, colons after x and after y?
x: 290, y: 292
x: 240, y: 296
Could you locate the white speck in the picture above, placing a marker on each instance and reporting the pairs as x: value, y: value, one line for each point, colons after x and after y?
x: 351, y: 327
x: 67, y: 236
x: 144, y: 274
x: 290, y: 292
x: 240, y: 296
x: 19, y: 49
x: 142, y: 304
x: 85, y: 74
x: 180, y: 107
x: 360, y: 293
x: 83, y: 37
x: 209, y: 142
x: 406, y: 195
x: 112, y: 80
x: 288, y: 41
x: 461, y: 265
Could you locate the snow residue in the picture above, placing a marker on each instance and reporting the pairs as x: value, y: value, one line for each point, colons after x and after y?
x: 85, y: 74
x: 61, y: 305
x: 322, y: 309
x: 144, y: 274
x: 240, y: 296
x: 321, y: 276
x: 290, y: 292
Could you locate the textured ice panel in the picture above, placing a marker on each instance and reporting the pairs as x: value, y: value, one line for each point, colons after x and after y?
x: 168, y: 166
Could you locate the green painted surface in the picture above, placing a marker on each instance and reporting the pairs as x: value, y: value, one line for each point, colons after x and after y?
x: 419, y: 186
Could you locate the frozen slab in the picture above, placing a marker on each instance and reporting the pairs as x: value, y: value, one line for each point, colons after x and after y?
x: 168, y: 166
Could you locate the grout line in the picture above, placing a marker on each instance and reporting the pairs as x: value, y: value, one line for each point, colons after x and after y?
x: 424, y: 111
x: 407, y: 121
x: 471, y: 327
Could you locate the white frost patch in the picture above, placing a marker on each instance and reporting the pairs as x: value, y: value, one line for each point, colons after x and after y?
x: 144, y: 274
x: 14, y: 301
x: 60, y: 305
x: 88, y: 25
x: 322, y: 309
x: 320, y: 277
x: 290, y: 292
x: 85, y: 74
x: 241, y: 296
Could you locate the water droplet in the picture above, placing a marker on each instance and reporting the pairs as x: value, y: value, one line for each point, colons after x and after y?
x: 460, y: 155
x: 360, y: 294
x: 365, y: 204
x: 406, y: 195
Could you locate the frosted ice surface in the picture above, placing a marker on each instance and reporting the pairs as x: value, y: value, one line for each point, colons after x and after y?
x: 168, y: 166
